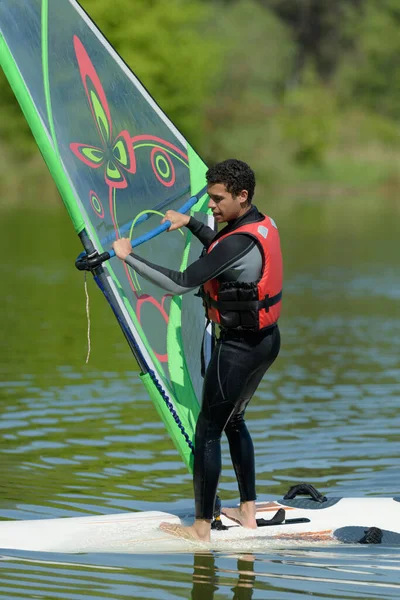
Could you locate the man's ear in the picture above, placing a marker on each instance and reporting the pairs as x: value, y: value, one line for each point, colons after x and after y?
x: 244, y: 197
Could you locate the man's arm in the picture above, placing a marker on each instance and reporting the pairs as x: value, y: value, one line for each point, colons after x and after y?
x: 203, y: 233
x: 229, y: 251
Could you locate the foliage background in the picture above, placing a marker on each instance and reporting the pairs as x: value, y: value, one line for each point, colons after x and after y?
x: 306, y: 91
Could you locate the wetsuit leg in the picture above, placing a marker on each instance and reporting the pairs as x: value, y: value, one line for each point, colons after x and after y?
x: 242, y: 455
x: 234, y: 372
x: 240, y: 442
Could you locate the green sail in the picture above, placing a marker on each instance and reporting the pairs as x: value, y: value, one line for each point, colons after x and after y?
x: 118, y: 162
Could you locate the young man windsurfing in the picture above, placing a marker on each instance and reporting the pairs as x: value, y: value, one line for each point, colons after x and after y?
x: 240, y: 278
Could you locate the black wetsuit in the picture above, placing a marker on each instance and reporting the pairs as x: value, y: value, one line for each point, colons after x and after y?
x: 238, y: 363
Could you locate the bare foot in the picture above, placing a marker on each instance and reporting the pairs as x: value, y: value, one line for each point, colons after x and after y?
x: 186, y: 533
x: 244, y: 518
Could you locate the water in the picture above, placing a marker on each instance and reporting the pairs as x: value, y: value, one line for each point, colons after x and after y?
x: 348, y: 573
x: 81, y: 439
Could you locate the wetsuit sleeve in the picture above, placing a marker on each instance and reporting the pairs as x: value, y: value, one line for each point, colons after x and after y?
x: 225, y: 254
x: 203, y: 233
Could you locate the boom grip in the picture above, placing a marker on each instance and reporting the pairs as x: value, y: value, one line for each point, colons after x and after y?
x: 89, y: 263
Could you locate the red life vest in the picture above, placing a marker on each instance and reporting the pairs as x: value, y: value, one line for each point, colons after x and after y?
x: 251, y: 306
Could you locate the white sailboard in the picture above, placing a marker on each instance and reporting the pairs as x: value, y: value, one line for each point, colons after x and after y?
x: 300, y: 521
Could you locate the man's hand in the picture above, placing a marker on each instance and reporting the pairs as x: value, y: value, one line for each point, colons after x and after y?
x: 177, y: 219
x: 122, y: 248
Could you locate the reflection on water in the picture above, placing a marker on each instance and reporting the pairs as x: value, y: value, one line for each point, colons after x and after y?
x: 346, y: 574
x: 207, y: 577
x: 84, y: 439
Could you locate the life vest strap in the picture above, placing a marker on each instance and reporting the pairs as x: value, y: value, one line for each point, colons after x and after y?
x: 242, y: 305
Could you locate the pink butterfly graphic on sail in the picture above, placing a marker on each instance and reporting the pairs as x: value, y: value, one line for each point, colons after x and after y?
x: 115, y: 154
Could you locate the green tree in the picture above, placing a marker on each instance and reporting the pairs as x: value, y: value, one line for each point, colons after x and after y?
x: 319, y: 29
x: 165, y: 44
x: 369, y: 75
x: 241, y: 118
x: 308, y: 120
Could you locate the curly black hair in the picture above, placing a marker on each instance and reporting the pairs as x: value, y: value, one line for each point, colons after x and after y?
x: 235, y: 174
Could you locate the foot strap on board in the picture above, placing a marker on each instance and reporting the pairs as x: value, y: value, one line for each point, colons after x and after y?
x: 305, y: 489
x: 373, y: 535
x: 277, y: 519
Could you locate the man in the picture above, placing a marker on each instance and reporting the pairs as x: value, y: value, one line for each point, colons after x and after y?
x: 240, y: 274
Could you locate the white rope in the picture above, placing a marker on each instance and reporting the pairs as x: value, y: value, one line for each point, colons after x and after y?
x: 88, y: 319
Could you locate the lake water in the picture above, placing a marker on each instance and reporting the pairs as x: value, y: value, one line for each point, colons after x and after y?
x: 81, y: 439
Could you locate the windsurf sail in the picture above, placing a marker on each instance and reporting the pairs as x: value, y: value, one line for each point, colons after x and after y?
x: 119, y: 163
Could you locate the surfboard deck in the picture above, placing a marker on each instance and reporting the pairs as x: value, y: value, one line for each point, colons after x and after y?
x: 338, y: 520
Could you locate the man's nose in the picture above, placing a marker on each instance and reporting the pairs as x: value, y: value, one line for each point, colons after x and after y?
x: 211, y: 204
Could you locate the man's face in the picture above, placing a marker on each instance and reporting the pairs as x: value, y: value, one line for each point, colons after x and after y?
x: 224, y: 206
